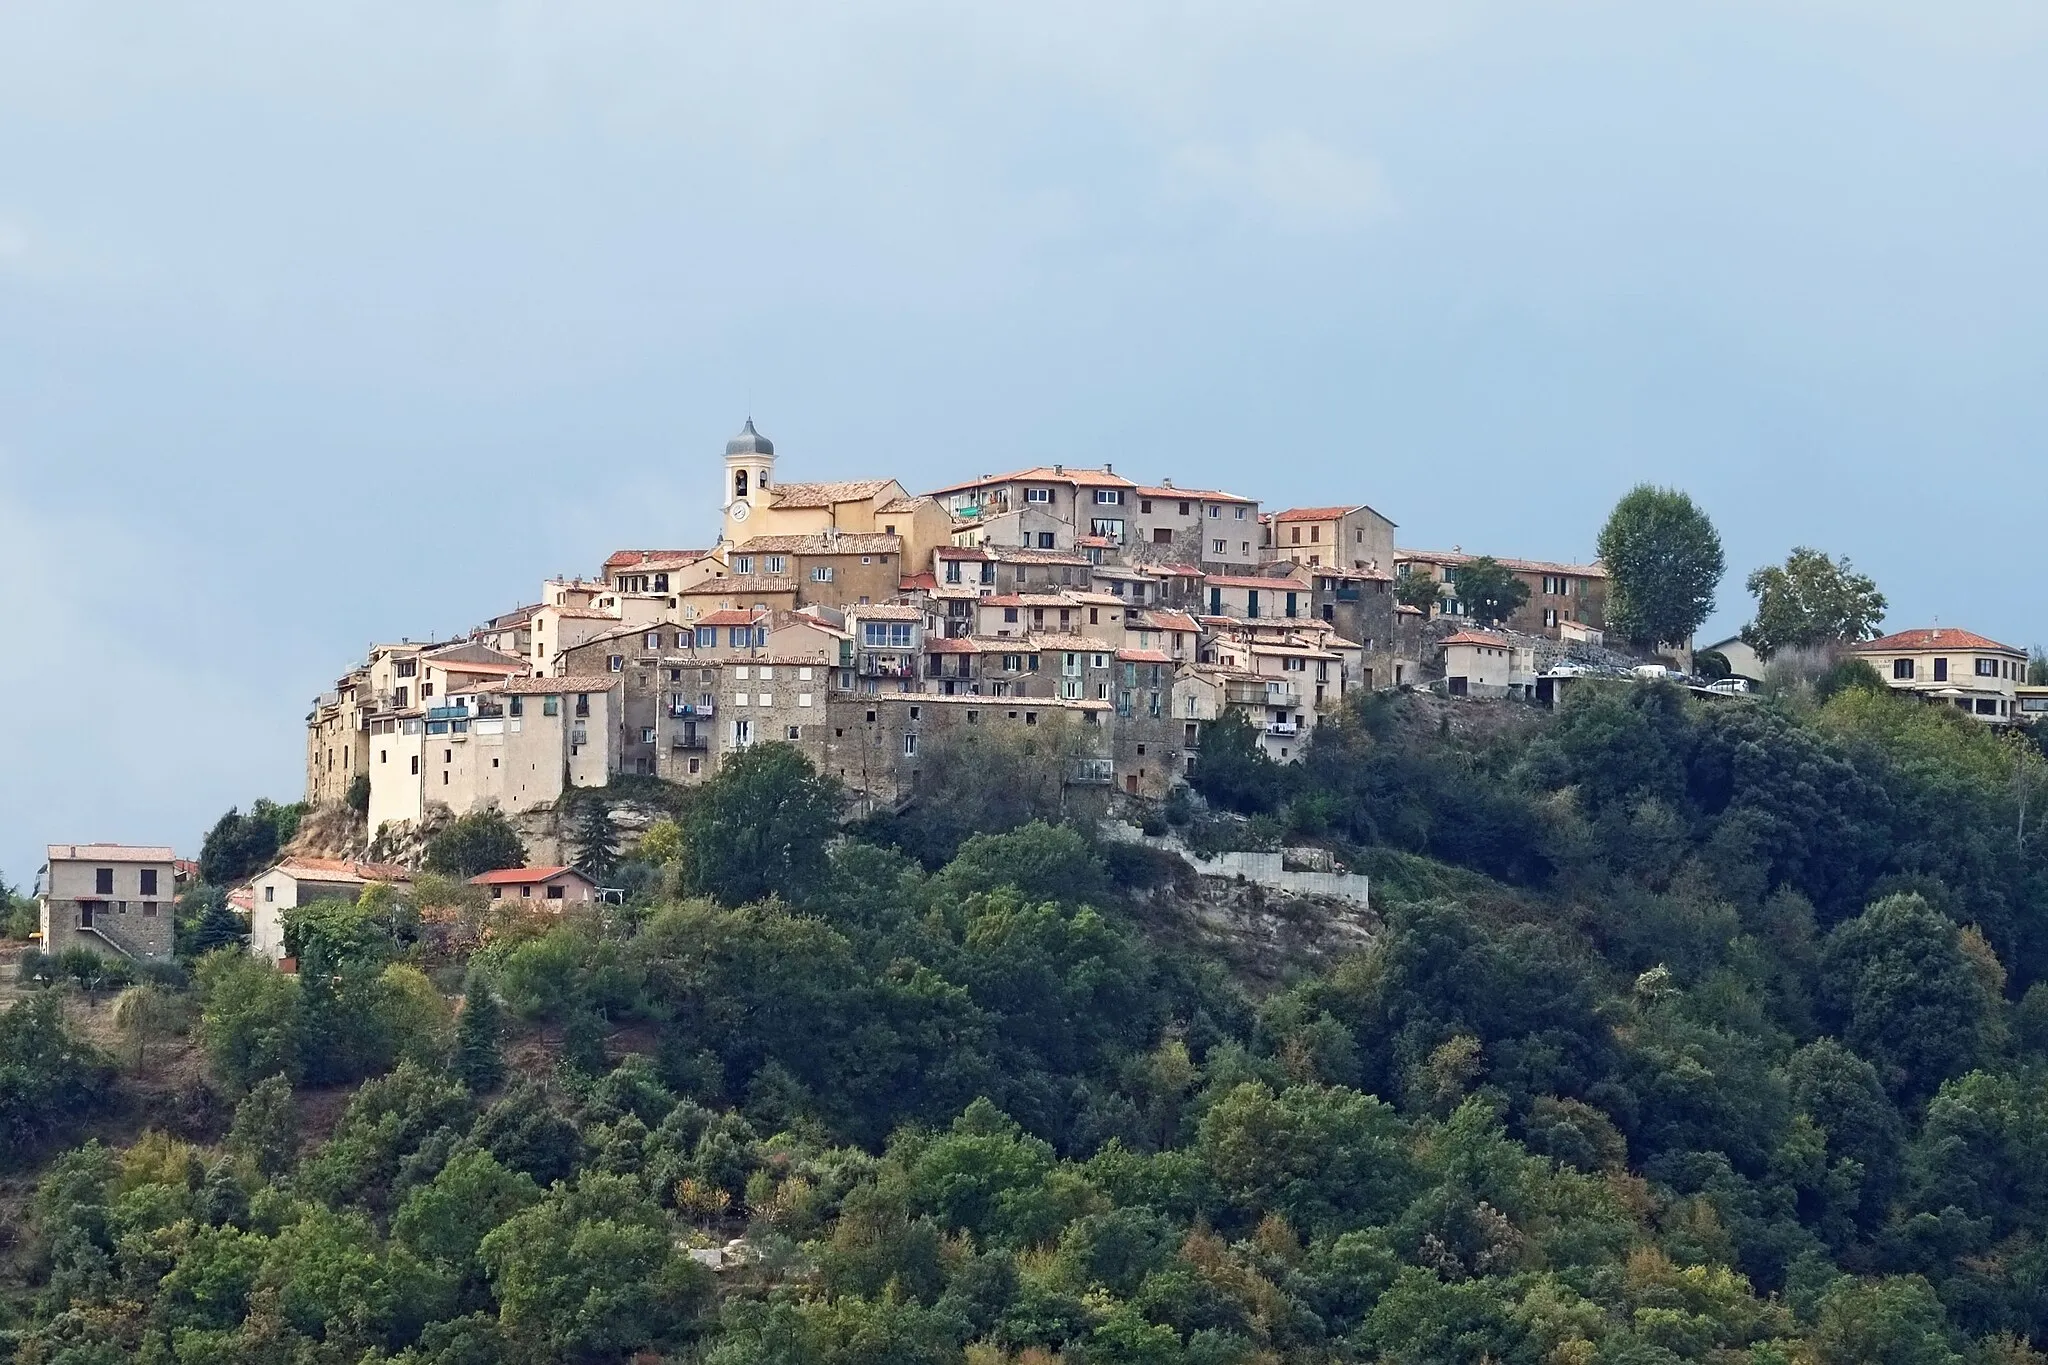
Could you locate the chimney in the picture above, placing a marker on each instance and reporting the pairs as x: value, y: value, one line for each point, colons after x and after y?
x: 1166, y: 483
x: 1108, y: 468
x: 1059, y: 469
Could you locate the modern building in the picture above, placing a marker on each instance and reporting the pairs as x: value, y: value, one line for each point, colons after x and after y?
x: 548, y: 885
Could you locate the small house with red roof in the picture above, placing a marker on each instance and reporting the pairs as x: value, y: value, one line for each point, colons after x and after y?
x: 545, y: 884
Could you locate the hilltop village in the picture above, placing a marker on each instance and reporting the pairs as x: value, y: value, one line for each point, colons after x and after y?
x: 859, y: 621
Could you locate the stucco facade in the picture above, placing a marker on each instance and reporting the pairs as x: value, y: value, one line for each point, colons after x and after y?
x: 116, y: 900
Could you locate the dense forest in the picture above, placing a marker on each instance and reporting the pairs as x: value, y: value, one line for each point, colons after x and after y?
x: 1690, y: 1032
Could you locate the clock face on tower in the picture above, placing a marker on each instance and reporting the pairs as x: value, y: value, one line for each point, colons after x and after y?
x: 739, y: 510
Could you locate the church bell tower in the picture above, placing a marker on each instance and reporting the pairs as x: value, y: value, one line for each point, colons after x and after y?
x: 749, y: 464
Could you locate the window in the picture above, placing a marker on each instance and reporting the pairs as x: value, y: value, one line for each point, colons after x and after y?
x: 1009, y: 615
x: 1902, y: 669
x: 401, y: 696
x: 1219, y: 547
x: 407, y: 668
x: 1108, y: 497
x: 616, y: 663
x: 647, y: 734
x: 765, y: 699
x: 952, y: 571
x: 1240, y: 516
x: 774, y: 564
x: 766, y: 673
x: 886, y: 634
x: 1038, y: 495
x: 551, y: 706
x: 1941, y: 670
x: 1111, y: 528
x: 1987, y: 668
x: 909, y: 745
x: 148, y: 884
x: 916, y: 713
x: 743, y: 732
x: 661, y: 582
x: 803, y: 698
x: 515, y: 706
x: 103, y: 881
x: 1045, y: 542
x: 821, y: 573
x: 1215, y: 512
x: 270, y: 893
x: 1145, y: 505
x: 795, y: 733
x: 149, y: 909
x: 415, y: 765
x: 742, y: 563
x: 1295, y: 535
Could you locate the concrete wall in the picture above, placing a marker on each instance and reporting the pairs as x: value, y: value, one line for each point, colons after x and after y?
x: 137, y: 926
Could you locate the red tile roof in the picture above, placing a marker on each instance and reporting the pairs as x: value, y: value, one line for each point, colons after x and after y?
x: 1169, y: 492
x: 1045, y: 473
x: 1144, y: 656
x: 523, y: 876
x: 1537, y: 566
x: 950, y: 645
x: 732, y: 616
x: 1318, y: 513
x: 314, y: 869
x: 920, y: 582
x: 627, y: 559
x: 1476, y: 637
x: 1934, y: 637
x: 795, y: 495
x: 844, y: 543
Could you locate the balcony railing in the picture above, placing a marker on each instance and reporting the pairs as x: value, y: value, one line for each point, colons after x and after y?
x: 447, y: 713
x: 887, y: 666
x: 1092, y: 772
x: 692, y: 710
x: 1281, y: 729
x: 689, y: 739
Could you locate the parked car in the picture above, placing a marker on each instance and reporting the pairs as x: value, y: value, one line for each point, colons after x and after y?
x: 1730, y: 687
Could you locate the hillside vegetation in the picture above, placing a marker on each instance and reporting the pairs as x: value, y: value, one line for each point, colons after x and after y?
x: 1691, y: 1033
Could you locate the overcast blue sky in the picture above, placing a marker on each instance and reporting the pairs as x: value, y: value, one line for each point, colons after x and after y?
x: 322, y: 323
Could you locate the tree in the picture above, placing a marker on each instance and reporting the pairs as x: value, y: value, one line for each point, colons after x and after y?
x: 145, y: 1012
x: 478, y: 1063
x: 482, y: 841
x: 49, y: 1080
x: 266, y: 1127
x: 248, y: 1018
x: 1233, y: 770
x: 760, y: 826
x: 1811, y: 600
x: 239, y: 846
x: 1489, y: 591
x: 592, y: 1273
x: 1417, y: 590
x: 2037, y: 667
x: 205, y: 921
x: 597, y: 839
x: 1663, y: 560
x: 1906, y: 994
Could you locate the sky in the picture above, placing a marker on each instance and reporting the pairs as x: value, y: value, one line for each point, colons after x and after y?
x: 323, y: 324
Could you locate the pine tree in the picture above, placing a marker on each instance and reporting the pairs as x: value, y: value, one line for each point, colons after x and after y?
x: 478, y: 1063
x: 597, y: 841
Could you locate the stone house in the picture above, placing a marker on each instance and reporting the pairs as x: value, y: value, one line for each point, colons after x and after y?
x: 1216, y: 530
x: 1358, y: 604
x: 1558, y: 593
x: 1333, y: 537
x: 116, y: 900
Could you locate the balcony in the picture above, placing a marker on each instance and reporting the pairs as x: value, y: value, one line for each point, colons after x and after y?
x: 702, y: 710
x: 447, y: 713
x: 1282, y: 694
x: 689, y: 739
x: 490, y: 710
x: 1244, y: 693
x: 887, y: 666
x: 1282, y: 729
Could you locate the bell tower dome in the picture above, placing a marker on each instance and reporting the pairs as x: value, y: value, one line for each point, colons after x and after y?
x: 749, y: 465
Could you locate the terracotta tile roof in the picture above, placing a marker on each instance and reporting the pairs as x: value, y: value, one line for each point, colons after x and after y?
x: 733, y: 616
x: 1934, y: 637
x: 1167, y: 620
x: 1026, y: 599
x: 1085, y: 644
x: 477, y: 666
x: 342, y: 869
x: 582, y: 613
x: 539, y: 687
x: 939, y: 644
x: 904, y: 504
x: 1169, y: 492
x: 920, y: 582
x: 523, y: 876
x: 1333, y: 571
x: 1319, y: 513
x: 1538, y: 566
x: 516, y: 617
x: 885, y: 611
x: 1017, y: 554
x: 112, y: 853
x: 1045, y: 473
x: 1235, y: 581
x: 845, y: 543
x: 1144, y: 656
x: 1096, y: 542
x: 627, y: 559
x: 1476, y: 637
x: 800, y: 495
